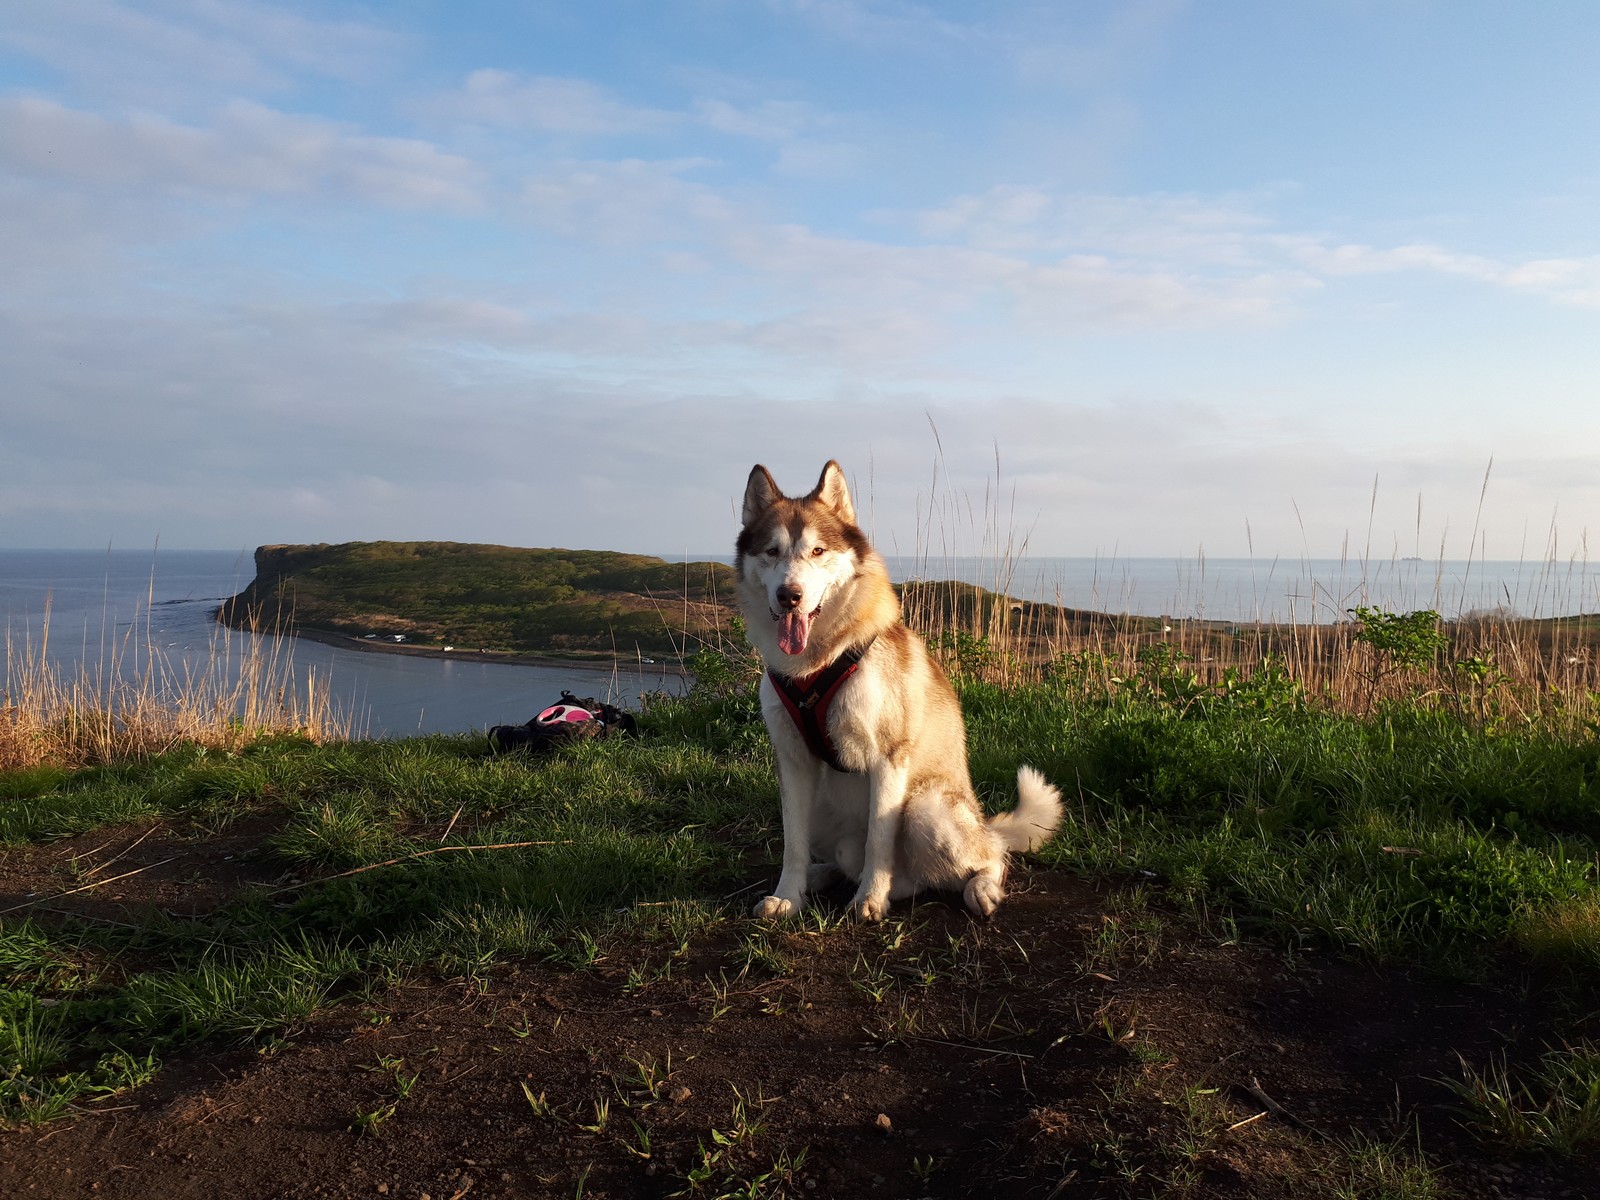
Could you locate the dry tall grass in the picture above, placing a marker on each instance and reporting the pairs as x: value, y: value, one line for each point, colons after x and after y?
x: 1488, y: 665
x: 135, y: 701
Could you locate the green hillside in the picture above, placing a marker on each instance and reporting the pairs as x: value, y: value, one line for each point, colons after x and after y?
x: 494, y: 598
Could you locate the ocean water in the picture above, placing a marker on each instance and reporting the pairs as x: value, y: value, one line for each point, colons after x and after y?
x: 105, y: 607
x: 99, y: 602
x: 1278, y: 589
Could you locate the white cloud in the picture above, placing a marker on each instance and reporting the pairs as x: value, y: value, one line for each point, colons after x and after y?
x: 626, y: 201
x: 1354, y: 259
x: 1064, y: 295
x: 1574, y: 281
x: 548, y: 104
x: 460, y: 418
x: 770, y: 120
x: 811, y: 158
x: 251, y: 149
x: 1095, y: 59
x: 1200, y: 241
x: 1187, y: 229
x: 171, y: 51
x: 579, y: 108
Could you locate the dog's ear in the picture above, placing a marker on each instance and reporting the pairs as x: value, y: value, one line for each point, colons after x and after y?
x: 760, y: 494
x: 832, y: 491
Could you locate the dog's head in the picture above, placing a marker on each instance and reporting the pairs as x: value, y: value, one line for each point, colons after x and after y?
x: 794, y: 554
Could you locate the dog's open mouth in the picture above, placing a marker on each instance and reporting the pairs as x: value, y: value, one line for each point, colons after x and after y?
x: 794, y: 628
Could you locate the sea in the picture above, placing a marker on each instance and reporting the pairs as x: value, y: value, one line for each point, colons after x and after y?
x: 91, y: 603
x: 104, y: 608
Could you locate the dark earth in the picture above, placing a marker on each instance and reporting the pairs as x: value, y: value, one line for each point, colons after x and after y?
x: 1085, y: 1043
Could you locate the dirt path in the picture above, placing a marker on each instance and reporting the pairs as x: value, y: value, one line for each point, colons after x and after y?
x: 1064, y: 1050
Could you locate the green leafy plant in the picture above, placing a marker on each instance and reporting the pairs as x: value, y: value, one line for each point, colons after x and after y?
x: 1396, y: 642
x: 1269, y: 693
x: 1479, y: 679
x: 1162, y: 678
x: 965, y: 655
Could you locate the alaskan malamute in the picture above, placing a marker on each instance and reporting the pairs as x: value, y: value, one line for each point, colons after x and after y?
x: 872, y: 753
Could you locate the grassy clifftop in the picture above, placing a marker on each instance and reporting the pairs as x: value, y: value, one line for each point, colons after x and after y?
x: 500, y: 598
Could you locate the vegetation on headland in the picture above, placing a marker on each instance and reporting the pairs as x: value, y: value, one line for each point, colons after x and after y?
x: 1401, y: 790
x: 495, y: 599
x: 577, y: 603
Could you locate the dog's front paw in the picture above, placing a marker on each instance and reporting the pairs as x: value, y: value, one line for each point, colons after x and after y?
x: 774, y: 908
x: 870, y: 908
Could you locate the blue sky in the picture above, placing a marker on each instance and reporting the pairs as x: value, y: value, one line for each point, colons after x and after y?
x: 1143, y: 278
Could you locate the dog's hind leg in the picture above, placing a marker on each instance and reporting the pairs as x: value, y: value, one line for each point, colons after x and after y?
x: 985, y: 889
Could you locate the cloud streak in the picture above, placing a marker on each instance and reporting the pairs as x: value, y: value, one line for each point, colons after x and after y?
x: 175, y: 52
x: 250, y: 151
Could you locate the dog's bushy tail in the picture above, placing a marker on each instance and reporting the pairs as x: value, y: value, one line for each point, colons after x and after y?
x: 1038, y: 812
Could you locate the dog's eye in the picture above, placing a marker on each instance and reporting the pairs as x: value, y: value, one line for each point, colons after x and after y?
x: 818, y: 551
x: 771, y: 553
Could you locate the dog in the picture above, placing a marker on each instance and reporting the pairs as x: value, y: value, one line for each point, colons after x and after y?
x: 867, y: 731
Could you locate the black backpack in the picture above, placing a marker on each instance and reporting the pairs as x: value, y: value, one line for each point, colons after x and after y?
x: 570, y: 719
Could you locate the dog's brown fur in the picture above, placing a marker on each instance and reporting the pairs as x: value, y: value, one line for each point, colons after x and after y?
x: 905, y: 819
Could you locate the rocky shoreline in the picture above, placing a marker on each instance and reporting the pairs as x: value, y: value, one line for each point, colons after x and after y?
x: 516, y: 658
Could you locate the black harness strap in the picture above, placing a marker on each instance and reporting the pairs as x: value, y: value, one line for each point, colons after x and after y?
x: 808, y: 699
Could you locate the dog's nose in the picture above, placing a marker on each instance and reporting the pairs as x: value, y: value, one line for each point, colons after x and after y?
x: 789, y: 596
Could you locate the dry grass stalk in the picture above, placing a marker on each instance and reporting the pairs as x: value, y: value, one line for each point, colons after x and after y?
x: 136, y: 701
x: 1495, y: 665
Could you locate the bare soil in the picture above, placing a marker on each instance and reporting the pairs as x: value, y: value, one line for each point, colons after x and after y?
x: 1073, y: 1047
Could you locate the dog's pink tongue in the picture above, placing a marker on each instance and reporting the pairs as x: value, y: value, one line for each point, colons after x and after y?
x: 793, y: 629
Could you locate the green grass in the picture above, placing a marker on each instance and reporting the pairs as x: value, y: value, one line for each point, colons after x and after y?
x: 1553, y: 1108
x: 1403, y: 835
x: 482, y: 596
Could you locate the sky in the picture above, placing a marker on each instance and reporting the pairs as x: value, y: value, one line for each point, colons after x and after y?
x: 1131, y: 278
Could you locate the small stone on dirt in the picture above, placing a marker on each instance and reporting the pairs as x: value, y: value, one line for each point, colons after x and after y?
x: 882, y: 1122
x: 680, y: 1094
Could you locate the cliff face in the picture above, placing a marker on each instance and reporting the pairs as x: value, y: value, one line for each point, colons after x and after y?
x: 275, y: 562
x: 481, y: 596
x: 260, y: 603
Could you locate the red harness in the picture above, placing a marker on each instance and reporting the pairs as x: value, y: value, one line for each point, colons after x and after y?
x: 808, y: 699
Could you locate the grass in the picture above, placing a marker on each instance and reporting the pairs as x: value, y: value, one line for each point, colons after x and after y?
x: 137, y: 702
x: 1404, y: 835
x: 1294, y: 784
x: 1553, y: 1108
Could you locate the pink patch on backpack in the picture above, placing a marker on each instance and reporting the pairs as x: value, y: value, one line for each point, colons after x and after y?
x: 558, y: 713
